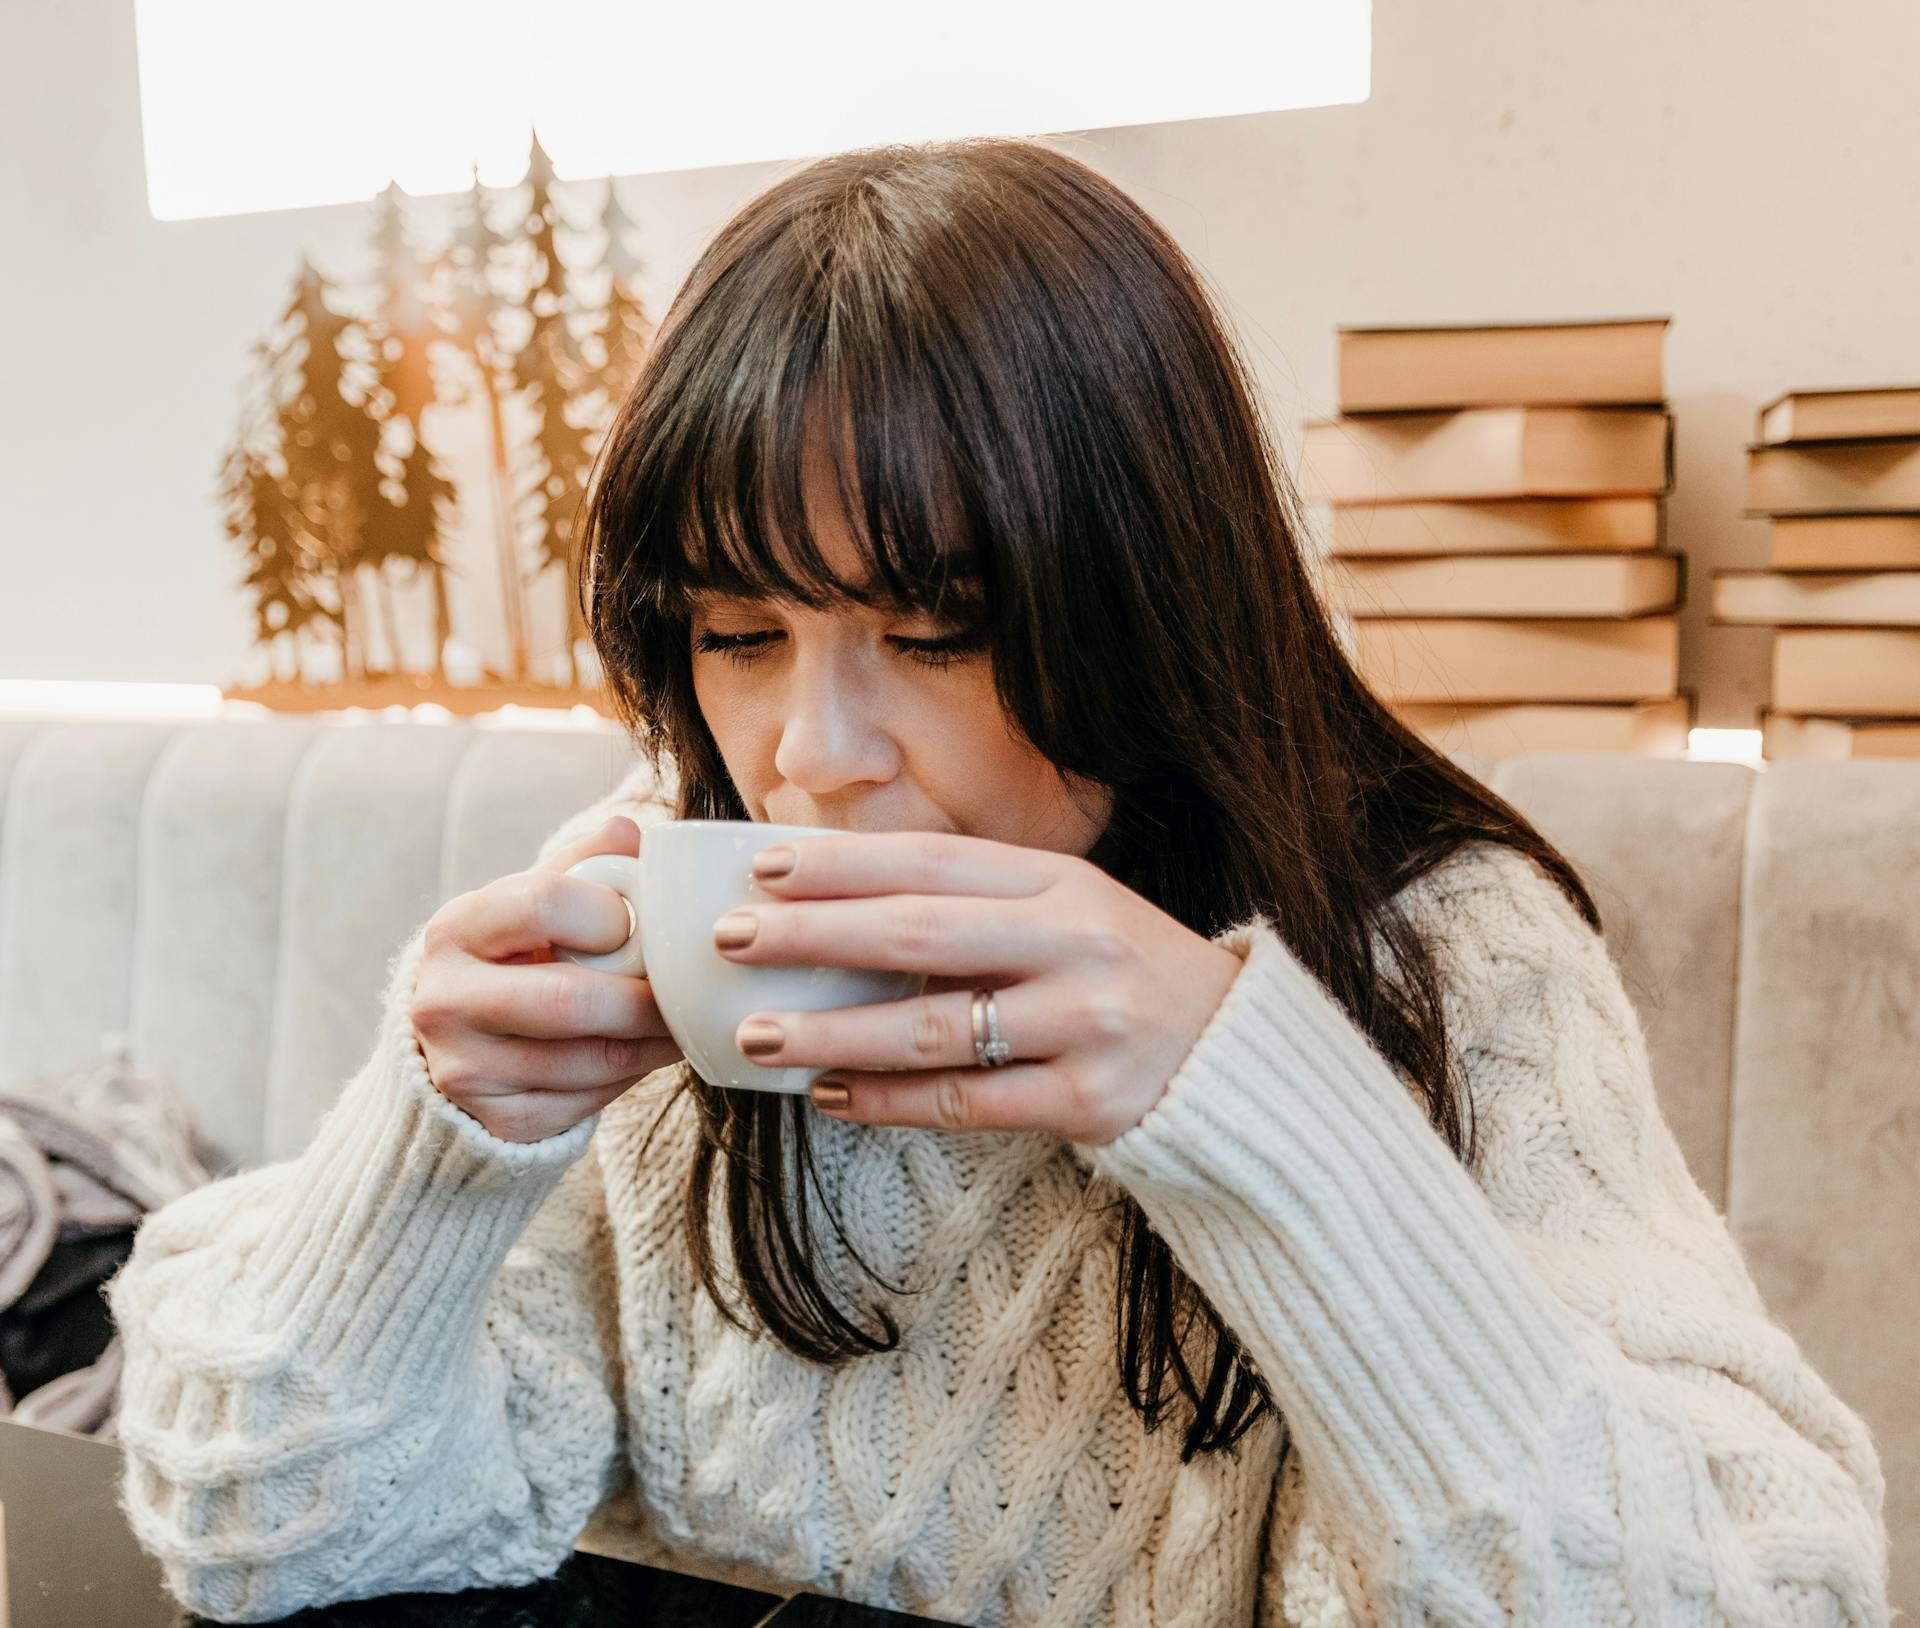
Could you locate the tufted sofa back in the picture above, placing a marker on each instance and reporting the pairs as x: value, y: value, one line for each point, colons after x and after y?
x: 225, y: 895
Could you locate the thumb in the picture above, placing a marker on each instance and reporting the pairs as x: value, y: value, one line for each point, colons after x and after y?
x: 618, y: 835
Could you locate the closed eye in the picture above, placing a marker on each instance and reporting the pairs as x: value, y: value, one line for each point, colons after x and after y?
x: 746, y: 648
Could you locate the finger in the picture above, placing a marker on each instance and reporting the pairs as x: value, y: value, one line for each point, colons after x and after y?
x: 1021, y: 1096
x: 616, y: 835
x: 865, y: 862
x: 955, y: 935
x: 534, y: 910
x: 927, y: 1031
x: 563, y: 1001
x: 536, y: 957
x: 587, y: 1063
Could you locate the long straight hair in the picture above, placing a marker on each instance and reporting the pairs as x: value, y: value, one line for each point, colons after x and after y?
x: 1033, y: 386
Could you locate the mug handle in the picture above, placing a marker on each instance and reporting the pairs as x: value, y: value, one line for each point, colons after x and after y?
x: 621, y: 872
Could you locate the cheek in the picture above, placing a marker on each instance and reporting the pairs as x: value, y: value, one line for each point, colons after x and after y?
x: 972, y: 760
x: 733, y: 712
x: 709, y: 694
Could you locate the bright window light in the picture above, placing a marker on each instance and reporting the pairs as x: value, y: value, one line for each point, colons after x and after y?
x: 99, y: 698
x: 57, y: 698
x: 1724, y: 746
x: 260, y: 104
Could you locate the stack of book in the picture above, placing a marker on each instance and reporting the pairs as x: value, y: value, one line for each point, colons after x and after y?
x: 1498, y: 533
x: 1838, y: 474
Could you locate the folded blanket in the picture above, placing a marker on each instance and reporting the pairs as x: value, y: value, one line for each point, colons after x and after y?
x: 82, y: 1158
x: 29, y: 1211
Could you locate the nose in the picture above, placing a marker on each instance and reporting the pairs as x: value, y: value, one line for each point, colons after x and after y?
x: 832, y: 734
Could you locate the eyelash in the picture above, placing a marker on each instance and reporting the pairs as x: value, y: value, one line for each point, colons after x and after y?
x: 745, y: 648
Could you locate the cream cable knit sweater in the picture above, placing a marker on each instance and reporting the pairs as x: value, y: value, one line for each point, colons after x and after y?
x: 417, y: 1357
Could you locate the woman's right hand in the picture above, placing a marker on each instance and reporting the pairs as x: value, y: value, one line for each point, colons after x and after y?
x: 527, y: 1044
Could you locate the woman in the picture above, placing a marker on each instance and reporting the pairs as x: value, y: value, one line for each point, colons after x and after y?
x: 1320, y: 1129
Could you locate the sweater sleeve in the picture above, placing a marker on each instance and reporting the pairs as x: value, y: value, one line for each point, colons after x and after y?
x: 1546, y: 1394
x: 385, y: 1365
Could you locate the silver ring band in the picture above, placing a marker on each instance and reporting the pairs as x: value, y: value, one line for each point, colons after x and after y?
x: 990, y: 1048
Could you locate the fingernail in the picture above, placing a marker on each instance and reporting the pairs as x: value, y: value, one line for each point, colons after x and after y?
x: 735, y: 930
x: 828, y: 1094
x: 772, y: 862
x: 759, y: 1037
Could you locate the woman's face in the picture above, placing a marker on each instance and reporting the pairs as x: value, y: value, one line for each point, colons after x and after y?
x: 855, y: 718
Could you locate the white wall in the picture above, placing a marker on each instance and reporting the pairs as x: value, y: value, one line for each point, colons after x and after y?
x: 1750, y: 167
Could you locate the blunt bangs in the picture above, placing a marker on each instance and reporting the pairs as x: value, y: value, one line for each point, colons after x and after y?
x: 727, y: 498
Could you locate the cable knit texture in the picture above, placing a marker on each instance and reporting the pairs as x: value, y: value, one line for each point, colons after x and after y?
x: 1543, y: 1392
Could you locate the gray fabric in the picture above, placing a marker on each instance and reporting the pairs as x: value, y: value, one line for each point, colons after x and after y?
x: 85, y: 1154
x: 120, y: 1141
x: 29, y: 1211
x: 82, y: 1401
x: 1825, y: 1130
x: 1660, y: 843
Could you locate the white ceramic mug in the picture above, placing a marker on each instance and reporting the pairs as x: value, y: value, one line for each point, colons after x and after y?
x: 689, y: 874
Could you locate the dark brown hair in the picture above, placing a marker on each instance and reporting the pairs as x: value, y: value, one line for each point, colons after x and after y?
x: 1031, y: 376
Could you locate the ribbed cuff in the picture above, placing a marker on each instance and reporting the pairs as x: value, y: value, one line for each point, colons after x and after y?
x: 403, y: 1209
x: 1418, y: 1358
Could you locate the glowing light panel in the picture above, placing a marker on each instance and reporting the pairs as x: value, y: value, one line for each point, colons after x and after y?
x: 253, y: 105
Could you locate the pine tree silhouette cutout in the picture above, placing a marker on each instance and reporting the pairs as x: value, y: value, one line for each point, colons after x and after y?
x: 625, y: 331
x: 327, y: 446
x: 550, y: 372
x: 258, y: 512
x: 416, y: 532
x: 402, y: 331
x: 474, y: 257
x: 402, y: 323
x: 333, y: 475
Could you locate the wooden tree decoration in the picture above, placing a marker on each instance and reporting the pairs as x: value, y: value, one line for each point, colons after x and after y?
x: 402, y: 332
x: 473, y: 307
x: 403, y: 324
x: 259, y: 513
x: 301, y: 484
x: 336, y: 488
x: 551, y: 374
x: 626, y: 332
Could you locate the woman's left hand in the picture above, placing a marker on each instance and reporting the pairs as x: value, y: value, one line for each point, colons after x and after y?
x: 1099, y: 994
